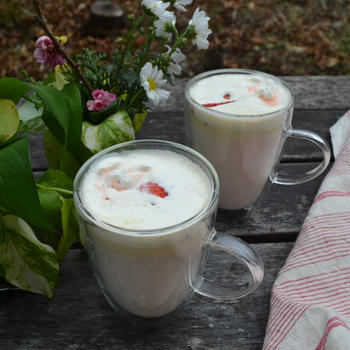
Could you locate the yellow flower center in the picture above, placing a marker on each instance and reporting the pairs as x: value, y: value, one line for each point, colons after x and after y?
x: 152, y: 84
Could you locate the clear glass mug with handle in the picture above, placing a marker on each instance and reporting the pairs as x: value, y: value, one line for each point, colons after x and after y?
x: 150, y: 273
x: 245, y: 149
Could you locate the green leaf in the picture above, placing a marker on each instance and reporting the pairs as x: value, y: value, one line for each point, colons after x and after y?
x: 57, y: 179
x: 31, y: 117
x: 9, y: 120
x: 70, y: 228
x: 73, y: 141
x: 59, y: 78
x: 13, y: 89
x: 115, y: 129
x: 17, y: 186
x: 51, y: 78
x: 62, y: 114
x: 58, y: 157
x: 24, y: 260
x: 51, y: 204
x: 139, y: 119
x: 99, y: 116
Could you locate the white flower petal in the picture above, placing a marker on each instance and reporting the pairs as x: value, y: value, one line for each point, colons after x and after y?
x: 153, y: 89
x: 200, y: 22
x: 180, y: 4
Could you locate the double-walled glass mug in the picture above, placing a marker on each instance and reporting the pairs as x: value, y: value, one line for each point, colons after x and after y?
x: 245, y: 148
x: 149, y: 273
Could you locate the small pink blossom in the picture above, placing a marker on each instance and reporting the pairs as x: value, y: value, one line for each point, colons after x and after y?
x: 46, y: 53
x: 101, y: 100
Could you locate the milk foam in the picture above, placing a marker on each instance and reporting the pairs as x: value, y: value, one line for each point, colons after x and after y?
x: 252, y: 94
x: 111, y: 189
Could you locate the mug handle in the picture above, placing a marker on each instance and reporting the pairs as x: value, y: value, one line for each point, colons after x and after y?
x: 311, y: 174
x: 241, y: 250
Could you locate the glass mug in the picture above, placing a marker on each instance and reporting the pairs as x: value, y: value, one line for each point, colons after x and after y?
x: 245, y: 149
x: 149, y: 273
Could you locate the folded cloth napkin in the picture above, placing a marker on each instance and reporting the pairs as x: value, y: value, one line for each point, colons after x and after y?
x: 310, y: 301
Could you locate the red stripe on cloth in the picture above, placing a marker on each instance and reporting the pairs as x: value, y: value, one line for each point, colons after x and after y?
x: 323, y: 297
x: 315, y: 262
x: 279, y: 314
x: 323, y: 244
x: 310, y: 277
x: 307, y: 289
x: 322, y: 217
x: 329, y: 237
x: 332, y: 323
x: 318, y: 248
x: 314, y: 245
x: 327, y: 194
x: 280, y: 333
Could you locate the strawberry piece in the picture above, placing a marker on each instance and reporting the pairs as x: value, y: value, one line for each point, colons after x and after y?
x: 154, y: 188
x: 227, y: 96
x: 217, y: 104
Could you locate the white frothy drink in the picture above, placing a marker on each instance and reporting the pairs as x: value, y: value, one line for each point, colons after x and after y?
x: 237, y: 123
x: 144, y: 190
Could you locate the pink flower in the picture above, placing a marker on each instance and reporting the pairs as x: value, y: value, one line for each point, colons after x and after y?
x: 46, y: 53
x: 101, y: 100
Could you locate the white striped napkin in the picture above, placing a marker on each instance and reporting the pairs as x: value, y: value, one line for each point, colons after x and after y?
x: 310, y: 302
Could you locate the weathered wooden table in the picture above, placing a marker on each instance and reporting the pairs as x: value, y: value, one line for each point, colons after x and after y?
x: 79, y: 317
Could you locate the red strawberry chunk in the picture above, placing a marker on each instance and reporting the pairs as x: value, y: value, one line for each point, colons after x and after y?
x: 217, y: 104
x: 154, y: 188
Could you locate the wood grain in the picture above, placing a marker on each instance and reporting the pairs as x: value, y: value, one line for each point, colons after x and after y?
x: 312, y: 92
x: 170, y: 127
x: 78, y: 316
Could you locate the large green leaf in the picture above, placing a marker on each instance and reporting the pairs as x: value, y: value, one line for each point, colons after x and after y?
x: 73, y: 99
x: 9, y: 120
x: 13, y: 89
x: 115, y: 129
x: 57, y: 179
x: 17, y: 186
x: 62, y: 109
x: 70, y: 228
x: 51, y: 204
x: 59, y: 157
x: 63, y: 114
x: 55, y: 188
x: 24, y: 260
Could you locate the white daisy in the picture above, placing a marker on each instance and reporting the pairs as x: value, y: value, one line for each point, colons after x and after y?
x: 179, y: 4
x: 176, y: 58
x: 152, y: 81
x: 157, y: 7
x: 166, y: 19
x: 200, y: 23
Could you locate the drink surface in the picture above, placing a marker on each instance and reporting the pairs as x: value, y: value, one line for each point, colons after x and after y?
x: 241, y: 94
x: 145, y: 189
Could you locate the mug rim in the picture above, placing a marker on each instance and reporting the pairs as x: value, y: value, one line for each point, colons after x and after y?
x: 222, y: 71
x: 87, y: 215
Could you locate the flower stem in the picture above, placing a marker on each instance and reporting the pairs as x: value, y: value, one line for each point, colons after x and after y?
x: 136, y: 96
x: 57, y: 189
x: 42, y: 21
x: 128, y: 42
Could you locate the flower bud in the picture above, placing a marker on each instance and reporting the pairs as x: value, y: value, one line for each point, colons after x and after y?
x: 131, y: 17
x: 191, y: 32
x: 183, y: 42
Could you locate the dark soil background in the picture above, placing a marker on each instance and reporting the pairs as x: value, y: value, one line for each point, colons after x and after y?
x: 296, y: 37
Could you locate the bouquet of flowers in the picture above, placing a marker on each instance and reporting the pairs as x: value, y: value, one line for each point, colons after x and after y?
x: 87, y: 103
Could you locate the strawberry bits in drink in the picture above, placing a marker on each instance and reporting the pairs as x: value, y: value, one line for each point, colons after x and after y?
x: 145, y: 189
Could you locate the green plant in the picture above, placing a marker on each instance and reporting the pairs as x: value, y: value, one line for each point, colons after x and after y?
x: 88, y: 102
